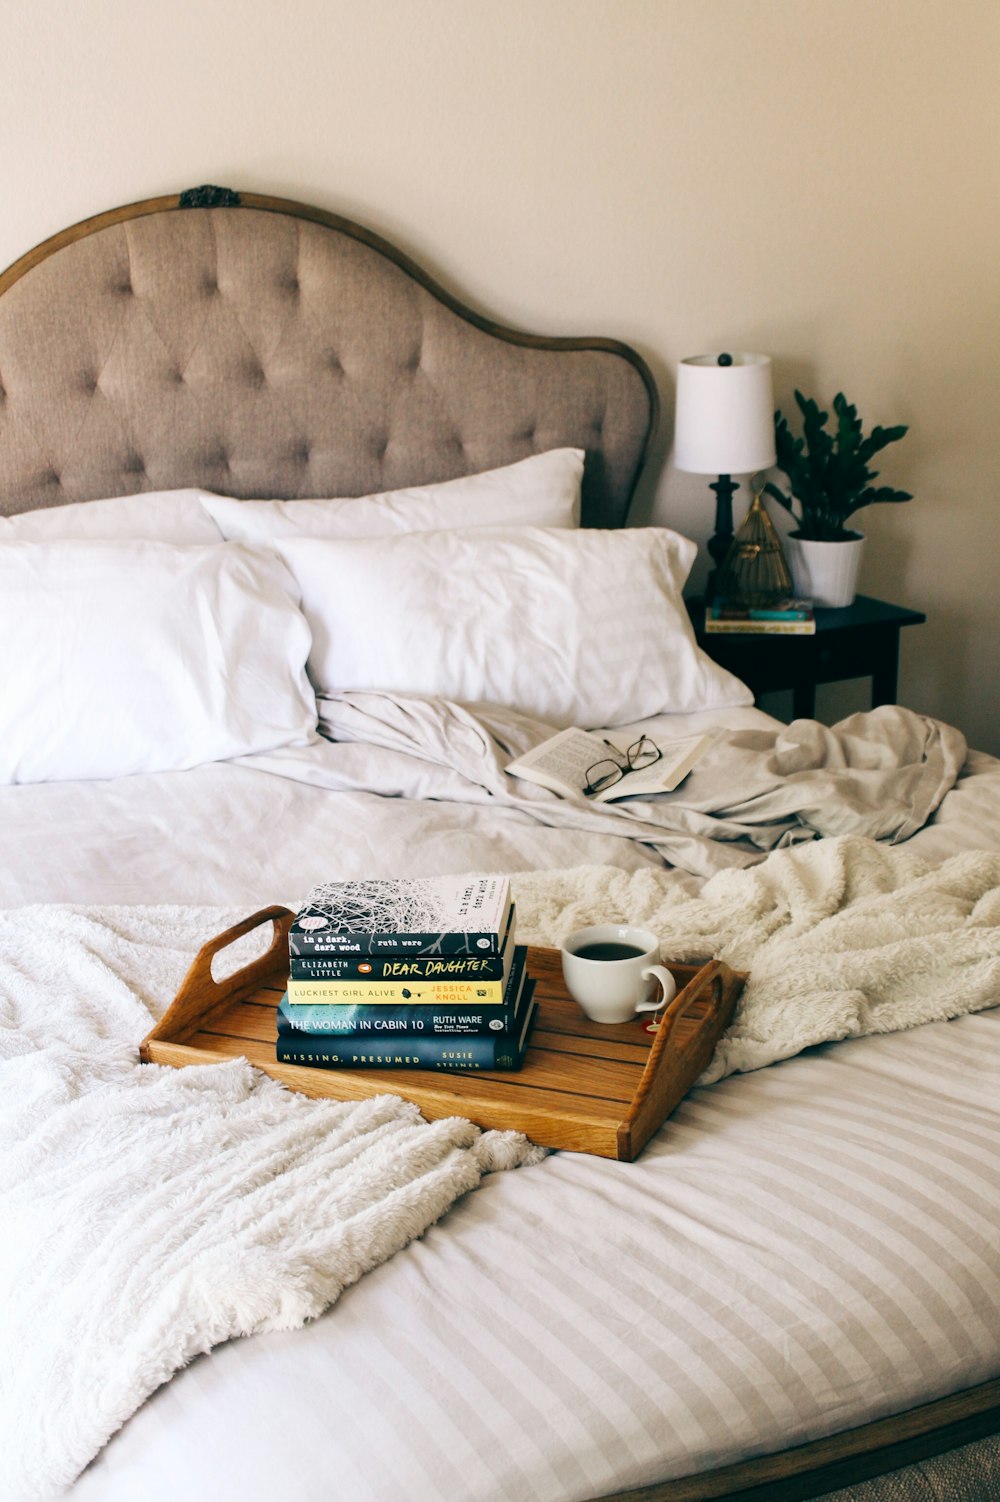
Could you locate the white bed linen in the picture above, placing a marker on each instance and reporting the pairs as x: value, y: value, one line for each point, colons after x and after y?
x: 542, y: 490
x: 231, y: 833
x: 583, y: 627
x: 800, y: 1250
x: 128, y: 657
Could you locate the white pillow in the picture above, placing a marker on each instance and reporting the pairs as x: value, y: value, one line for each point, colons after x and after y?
x: 577, y: 628
x: 541, y: 491
x: 157, y: 515
x: 122, y: 657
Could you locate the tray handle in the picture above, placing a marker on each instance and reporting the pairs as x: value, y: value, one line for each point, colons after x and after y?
x: 709, y: 978
x: 670, y: 1072
x: 201, y: 995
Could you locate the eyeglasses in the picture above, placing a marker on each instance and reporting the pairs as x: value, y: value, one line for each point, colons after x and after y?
x: 605, y: 773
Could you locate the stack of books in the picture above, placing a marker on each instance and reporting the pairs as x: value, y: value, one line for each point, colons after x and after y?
x: 407, y: 974
x: 791, y: 617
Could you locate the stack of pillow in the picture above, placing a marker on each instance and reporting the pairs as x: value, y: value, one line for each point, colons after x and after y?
x: 135, y: 640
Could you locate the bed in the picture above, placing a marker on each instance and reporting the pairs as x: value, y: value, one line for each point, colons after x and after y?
x: 796, y: 1286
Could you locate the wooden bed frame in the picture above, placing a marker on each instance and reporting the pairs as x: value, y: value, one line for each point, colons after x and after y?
x: 154, y: 347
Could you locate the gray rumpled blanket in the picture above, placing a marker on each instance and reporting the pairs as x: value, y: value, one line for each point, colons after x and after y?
x: 879, y: 775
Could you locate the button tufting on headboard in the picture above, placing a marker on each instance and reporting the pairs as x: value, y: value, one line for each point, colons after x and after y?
x: 220, y: 335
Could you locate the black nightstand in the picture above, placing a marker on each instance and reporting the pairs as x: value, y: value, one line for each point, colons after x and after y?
x: 859, y: 641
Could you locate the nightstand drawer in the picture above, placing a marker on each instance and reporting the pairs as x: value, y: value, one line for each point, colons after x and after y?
x: 765, y: 663
x: 847, y: 654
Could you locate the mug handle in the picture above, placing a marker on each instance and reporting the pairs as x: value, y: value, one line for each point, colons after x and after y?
x: 667, y: 985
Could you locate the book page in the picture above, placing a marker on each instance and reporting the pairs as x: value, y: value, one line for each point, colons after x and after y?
x: 561, y: 763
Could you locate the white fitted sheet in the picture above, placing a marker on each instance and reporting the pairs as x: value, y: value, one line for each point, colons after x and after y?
x: 798, y: 1251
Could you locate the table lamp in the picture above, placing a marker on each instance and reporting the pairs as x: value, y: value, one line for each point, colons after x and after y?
x: 724, y: 425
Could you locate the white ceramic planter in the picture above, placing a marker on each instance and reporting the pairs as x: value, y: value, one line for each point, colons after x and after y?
x: 825, y: 572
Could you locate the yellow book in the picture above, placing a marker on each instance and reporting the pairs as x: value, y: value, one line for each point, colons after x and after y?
x: 396, y: 992
x: 760, y: 628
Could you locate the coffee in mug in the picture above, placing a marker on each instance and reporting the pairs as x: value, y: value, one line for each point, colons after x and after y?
x: 612, y: 971
x: 608, y: 951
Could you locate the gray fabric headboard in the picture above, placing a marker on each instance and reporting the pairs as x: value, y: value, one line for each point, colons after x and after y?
x: 258, y: 347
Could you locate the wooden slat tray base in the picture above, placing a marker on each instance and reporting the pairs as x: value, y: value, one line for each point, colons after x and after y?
x: 584, y: 1086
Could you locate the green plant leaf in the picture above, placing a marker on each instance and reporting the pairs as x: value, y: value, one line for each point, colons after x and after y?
x: 828, y: 472
x: 880, y: 497
x: 878, y: 439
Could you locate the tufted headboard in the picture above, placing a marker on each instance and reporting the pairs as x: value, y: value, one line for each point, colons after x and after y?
x: 262, y: 348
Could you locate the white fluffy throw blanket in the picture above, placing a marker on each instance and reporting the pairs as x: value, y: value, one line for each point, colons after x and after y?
x: 148, y: 1213
x: 841, y: 937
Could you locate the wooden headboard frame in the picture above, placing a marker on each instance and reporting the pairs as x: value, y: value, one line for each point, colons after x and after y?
x: 255, y: 346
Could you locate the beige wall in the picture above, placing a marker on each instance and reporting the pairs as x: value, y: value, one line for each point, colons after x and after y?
x: 818, y: 181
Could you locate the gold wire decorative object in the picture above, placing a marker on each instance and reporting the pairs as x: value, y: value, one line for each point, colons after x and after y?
x: 754, y: 572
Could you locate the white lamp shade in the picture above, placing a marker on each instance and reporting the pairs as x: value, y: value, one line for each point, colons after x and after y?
x: 725, y: 415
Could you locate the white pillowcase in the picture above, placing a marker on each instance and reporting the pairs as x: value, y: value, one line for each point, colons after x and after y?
x: 541, y: 491
x: 581, y: 628
x: 124, y: 657
x: 157, y: 515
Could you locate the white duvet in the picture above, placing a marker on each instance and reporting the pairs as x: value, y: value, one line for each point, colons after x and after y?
x: 258, y: 831
x: 419, y: 786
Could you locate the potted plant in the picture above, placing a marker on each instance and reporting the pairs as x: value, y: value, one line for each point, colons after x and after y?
x: 830, y: 479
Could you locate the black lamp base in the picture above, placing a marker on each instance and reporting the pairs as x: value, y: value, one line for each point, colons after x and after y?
x: 725, y: 488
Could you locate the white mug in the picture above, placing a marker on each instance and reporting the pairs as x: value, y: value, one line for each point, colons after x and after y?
x: 611, y: 970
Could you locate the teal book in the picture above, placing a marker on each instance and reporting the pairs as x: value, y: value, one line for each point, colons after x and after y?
x: 411, y: 1050
x: 790, y: 609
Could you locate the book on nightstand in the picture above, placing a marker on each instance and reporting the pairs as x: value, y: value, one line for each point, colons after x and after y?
x: 791, y: 617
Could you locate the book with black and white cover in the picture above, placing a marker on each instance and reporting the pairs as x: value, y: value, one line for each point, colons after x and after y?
x: 396, y: 965
x: 563, y: 764
x: 411, y: 1050
x: 426, y: 1018
x: 418, y: 915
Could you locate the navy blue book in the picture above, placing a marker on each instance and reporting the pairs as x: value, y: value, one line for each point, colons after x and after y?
x: 411, y: 1050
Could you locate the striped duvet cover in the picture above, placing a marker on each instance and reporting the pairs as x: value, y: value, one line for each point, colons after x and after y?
x: 799, y: 1251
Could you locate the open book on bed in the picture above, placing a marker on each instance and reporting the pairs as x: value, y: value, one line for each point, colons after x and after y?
x: 582, y: 764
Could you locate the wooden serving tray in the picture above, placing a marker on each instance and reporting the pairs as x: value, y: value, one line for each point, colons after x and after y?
x: 584, y: 1086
